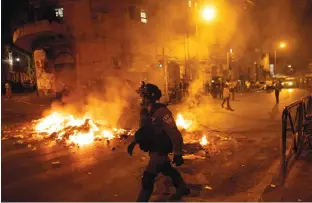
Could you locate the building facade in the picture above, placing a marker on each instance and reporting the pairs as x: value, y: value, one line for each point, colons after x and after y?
x: 74, y: 42
x: 16, y: 65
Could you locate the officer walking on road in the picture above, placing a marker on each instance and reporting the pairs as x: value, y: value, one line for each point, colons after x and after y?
x: 158, y: 135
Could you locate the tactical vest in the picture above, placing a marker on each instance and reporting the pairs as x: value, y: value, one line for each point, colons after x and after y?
x: 151, y: 137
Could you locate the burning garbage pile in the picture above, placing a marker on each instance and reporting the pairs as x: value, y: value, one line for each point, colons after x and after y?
x: 76, y: 131
x: 198, y: 143
x: 81, y: 131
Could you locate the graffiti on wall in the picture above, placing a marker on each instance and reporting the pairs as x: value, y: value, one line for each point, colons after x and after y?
x: 45, y: 79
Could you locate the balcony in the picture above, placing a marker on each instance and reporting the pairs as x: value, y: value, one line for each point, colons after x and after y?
x: 26, y: 36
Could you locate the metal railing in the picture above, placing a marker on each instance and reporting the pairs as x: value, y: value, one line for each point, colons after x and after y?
x: 295, y: 120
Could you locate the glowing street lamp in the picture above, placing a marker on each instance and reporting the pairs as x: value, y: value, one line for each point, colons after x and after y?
x: 282, y: 45
x: 208, y: 13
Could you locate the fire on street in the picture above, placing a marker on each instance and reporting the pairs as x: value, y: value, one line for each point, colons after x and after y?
x: 221, y: 164
x: 156, y: 100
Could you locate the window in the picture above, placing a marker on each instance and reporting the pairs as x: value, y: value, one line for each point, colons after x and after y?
x: 59, y: 12
x: 190, y: 3
x: 143, y: 16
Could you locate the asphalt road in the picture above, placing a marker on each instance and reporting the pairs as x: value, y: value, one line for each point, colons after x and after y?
x: 238, y: 172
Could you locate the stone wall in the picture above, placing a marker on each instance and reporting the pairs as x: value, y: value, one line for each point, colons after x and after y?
x: 45, y: 78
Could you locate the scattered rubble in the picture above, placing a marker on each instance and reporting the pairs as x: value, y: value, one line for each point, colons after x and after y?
x: 192, y: 157
x: 56, y: 164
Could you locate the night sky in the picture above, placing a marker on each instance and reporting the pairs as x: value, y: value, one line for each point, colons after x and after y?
x: 10, y: 9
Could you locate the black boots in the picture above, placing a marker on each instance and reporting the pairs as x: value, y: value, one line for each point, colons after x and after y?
x: 180, y: 192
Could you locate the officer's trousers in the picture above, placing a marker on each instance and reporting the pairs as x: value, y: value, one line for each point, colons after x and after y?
x: 158, y: 163
x: 277, y: 96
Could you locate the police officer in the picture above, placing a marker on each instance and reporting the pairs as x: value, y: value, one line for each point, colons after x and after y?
x: 158, y: 129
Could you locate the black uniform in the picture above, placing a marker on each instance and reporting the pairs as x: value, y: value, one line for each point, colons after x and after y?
x: 164, y: 138
x: 277, y: 92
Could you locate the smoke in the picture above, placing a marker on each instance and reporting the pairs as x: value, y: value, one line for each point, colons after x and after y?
x: 110, y: 100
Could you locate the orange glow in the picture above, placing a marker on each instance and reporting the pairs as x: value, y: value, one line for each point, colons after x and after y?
x: 208, y: 13
x: 204, y: 141
x: 182, y: 123
x: 79, y: 131
x: 282, y: 45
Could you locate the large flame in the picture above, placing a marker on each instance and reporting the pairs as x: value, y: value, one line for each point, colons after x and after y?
x: 83, y: 130
x: 182, y: 123
x: 79, y: 131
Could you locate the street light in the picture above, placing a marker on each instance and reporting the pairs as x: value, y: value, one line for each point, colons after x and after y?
x: 208, y: 13
x: 282, y: 45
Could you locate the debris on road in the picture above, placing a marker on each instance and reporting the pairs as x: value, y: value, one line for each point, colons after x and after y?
x: 272, y: 185
x: 56, y: 164
x: 19, y: 142
x: 19, y: 136
x: 113, y: 148
x: 193, y: 156
x: 89, y: 173
x: 4, y: 138
x: 229, y: 153
x: 208, y: 187
x: 201, y: 153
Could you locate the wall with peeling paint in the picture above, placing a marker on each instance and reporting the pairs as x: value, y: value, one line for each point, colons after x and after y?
x: 45, y: 77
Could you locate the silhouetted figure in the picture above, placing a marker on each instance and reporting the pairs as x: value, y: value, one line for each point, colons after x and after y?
x: 278, y: 88
x: 226, y: 97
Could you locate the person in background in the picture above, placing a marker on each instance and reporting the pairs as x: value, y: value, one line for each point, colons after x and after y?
x: 277, y: 89
x: 8, y: 90
x: 221, y: 86
x: 226, y: 97
x: 207, y: 88
x: 233, y: 89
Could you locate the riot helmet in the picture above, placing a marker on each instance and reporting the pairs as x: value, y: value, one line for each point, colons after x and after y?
x: 150, y: 92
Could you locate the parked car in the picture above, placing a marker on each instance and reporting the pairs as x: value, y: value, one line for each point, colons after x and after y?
x: 289, y: 83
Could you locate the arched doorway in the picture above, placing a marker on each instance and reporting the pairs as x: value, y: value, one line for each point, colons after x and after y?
x: 65, y: 72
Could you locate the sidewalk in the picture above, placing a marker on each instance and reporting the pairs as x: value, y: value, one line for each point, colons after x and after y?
x: 22, y: 107
x: 298, y: 183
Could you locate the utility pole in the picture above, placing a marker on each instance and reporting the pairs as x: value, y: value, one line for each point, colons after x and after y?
x: 275, y: 69
x: 165, y: 74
